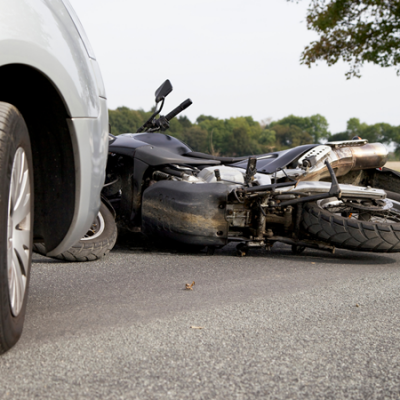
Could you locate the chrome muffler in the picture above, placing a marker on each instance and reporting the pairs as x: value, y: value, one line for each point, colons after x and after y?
x: 346, y: 156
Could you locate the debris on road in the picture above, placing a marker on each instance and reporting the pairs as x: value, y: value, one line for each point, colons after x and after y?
x: 196, y: 327
x: 189, y: 286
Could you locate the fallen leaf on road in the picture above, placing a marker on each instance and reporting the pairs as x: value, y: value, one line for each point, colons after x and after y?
x: 189, y: 286
x: 196, y: 327
x: 357, y: 305
x: 313, y: 263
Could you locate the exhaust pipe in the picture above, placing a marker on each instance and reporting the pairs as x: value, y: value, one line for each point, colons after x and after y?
x: 349, y: 158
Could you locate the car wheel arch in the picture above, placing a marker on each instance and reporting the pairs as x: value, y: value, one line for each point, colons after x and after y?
x: 45, y: 114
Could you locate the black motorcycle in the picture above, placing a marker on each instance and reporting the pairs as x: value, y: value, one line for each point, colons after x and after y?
x: 319, y: 196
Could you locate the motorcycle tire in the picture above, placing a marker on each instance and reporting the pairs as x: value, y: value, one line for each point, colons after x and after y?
x: 99, y: 240
x: 380, y: 235
x: 16, y: 229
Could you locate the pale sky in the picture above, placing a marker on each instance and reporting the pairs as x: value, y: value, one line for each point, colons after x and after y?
x: 231, y: 57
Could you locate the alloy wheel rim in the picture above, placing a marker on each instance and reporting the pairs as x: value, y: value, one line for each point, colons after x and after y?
x: 19, y: 231
x: 96, y: 229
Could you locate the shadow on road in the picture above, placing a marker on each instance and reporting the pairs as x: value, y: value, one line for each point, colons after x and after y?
x: 137, y: 243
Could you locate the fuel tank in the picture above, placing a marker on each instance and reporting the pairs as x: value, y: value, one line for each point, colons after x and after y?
x: 127, y: 143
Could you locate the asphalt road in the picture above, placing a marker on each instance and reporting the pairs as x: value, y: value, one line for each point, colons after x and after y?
x: 274, y: 326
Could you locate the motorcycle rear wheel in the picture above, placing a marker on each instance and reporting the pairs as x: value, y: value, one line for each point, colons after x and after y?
x: 98, y: 241
x: 358, y: 230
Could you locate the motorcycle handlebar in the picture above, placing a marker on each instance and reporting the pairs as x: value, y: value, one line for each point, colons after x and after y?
x: 178, y: 109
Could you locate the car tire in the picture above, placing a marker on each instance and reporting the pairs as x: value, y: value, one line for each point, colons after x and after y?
x: 16, y: 208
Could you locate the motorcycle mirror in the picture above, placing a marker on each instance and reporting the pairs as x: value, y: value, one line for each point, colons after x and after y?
x: 163, y: 91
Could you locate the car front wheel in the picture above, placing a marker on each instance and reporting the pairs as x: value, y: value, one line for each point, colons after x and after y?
x: 16, y: 216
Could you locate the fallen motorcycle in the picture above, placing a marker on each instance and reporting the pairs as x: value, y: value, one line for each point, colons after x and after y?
x: 324, y: 196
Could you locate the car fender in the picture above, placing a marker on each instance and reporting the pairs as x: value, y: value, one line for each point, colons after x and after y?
x: 48, y: 40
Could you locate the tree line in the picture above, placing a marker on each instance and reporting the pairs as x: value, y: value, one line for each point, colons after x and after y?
x: 243, y: 135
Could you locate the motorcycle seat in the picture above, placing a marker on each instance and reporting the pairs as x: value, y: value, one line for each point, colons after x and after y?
x: 224, y: 160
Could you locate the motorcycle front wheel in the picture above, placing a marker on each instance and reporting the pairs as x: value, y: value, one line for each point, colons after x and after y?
x: 98, y: 241
x: 355, y: 228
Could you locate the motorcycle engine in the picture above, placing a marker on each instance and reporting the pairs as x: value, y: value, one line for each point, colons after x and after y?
x: 228, y: 175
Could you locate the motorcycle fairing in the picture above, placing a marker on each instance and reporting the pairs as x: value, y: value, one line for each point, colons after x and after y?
x: 192, y: 214
x: 162, y: 140
x: 155, y: 149
x: 279, y: 159
x: 125, y: 143
x: 156, y: 156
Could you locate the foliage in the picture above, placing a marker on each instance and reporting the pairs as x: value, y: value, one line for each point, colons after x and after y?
x: 290, y: 136
x: 380, y: 132
x: 236, y: 136
x: 356, y: 31
x: 313, y: 128
x: 125, y: 120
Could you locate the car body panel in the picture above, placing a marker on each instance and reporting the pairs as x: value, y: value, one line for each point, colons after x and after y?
x: 46, y: 39
x: 41, y: 34
x: 90, y: 165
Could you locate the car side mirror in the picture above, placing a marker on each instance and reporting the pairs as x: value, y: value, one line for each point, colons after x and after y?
x: 163, y: 91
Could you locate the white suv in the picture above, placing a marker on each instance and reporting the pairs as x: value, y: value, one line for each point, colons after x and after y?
x: 53, y: 142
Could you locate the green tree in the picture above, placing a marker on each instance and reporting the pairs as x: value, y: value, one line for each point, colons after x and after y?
x: 267, y: 138
x: 235, y: 136
x: 380, y: 132
x: 290, y: 136
x: 203, y: 118
x: 355, y: 31
x: 340, y: 136
x: 196, y: 138
x: 216, y: 130
x: 315, y: 126
x: 185, y: 122
x: 125, y: 120
x: 176, y: 129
